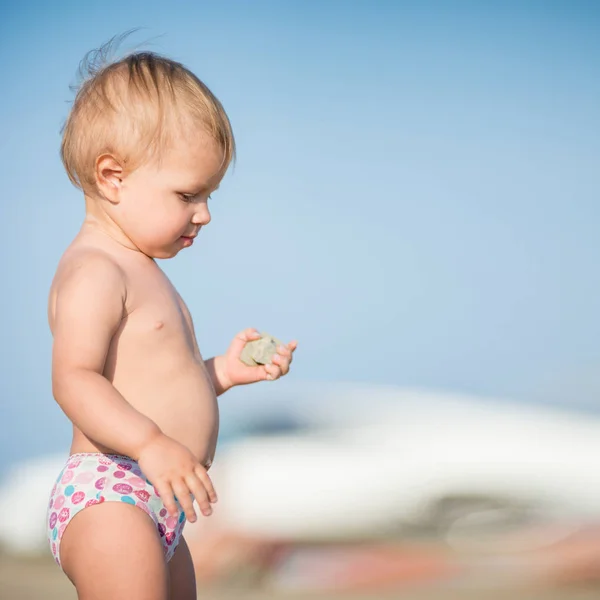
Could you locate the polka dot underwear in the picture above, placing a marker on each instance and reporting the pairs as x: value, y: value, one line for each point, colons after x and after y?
x: 93, y: 478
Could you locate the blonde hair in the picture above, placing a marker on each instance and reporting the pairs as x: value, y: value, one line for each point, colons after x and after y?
x: 131, y: 109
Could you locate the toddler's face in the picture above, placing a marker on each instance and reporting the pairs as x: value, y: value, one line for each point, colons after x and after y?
x: 163, y: 205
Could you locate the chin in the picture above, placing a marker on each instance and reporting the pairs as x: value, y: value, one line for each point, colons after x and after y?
x: 161, y: 254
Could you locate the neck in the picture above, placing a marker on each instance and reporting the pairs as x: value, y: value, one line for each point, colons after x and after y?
x: 97, y: 218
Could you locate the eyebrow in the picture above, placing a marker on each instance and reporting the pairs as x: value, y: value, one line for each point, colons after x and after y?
x: 195, y: 191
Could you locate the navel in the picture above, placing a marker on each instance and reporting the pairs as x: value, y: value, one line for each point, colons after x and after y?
x: 159, y: 325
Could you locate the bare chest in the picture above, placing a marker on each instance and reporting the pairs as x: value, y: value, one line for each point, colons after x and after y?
x: 157, y: 316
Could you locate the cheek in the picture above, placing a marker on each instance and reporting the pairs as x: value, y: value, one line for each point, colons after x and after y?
x: 148, y: 215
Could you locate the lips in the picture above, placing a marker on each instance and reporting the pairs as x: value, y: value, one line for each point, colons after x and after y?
x: 189, y: 240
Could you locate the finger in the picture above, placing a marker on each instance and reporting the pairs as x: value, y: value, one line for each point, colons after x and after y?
x: 206, y: 481
x: 242, y: 338
x: 284, y: 351
x: 262, y: 373
x: 282, y: 362
x: 166, y: 495
x: 182, y: 491
x: 200, y: 494
x: 273, y: 372
x: 288, y: 353
x: 249, y: 334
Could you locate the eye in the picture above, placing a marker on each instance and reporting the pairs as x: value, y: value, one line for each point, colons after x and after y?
x: 191, y: 197
x: 187, y: 197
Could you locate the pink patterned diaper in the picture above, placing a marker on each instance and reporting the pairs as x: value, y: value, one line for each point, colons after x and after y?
x: 92, y: 478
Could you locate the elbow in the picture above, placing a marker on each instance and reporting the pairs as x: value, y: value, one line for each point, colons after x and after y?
x: 63, y: 381
x: 59, y: 385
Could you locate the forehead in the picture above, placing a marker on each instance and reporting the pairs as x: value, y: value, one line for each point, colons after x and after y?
x: 197, y: 159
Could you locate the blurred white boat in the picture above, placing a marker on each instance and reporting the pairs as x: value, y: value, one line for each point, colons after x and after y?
x: 24, y: 497
x: 367, y: 461
x: 340, y: 461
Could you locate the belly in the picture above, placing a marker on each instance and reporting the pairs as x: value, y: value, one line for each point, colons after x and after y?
x: 176, y: 394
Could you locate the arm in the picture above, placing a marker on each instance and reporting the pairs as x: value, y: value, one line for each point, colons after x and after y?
x: 214, y: 366
x: 89, y: 309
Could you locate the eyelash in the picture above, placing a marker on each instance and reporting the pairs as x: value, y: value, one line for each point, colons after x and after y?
x: 190, y: 197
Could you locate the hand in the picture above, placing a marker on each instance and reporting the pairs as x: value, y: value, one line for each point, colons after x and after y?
x: 174, y: 471
x: 232, y: 371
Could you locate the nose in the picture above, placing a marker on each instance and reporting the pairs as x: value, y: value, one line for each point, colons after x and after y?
x: 201, y: 215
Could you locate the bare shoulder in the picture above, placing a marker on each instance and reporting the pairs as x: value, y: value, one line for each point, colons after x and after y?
x: 84, y: 261
x: 85, y: 275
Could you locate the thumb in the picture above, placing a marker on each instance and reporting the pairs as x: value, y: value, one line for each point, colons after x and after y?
x: 240, y: 340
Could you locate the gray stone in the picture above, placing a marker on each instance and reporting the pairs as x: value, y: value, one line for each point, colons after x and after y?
x: 261, y: 351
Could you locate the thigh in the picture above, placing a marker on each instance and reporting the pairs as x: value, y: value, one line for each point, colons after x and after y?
x: 182, y: 576
x: 112, y: 551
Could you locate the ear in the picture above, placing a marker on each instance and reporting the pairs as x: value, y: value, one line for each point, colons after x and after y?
x: 109, y: 176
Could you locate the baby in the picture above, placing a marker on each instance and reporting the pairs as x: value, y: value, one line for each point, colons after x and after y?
x: 147, y: 143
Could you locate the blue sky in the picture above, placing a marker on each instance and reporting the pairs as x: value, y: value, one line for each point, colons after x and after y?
x: 415, y: 198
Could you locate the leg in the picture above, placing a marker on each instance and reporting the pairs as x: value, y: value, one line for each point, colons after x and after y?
x: 111, y: 551
x: 181, y: 569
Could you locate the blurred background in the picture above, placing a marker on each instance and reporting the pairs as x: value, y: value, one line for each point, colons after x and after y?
x: 416, y: 201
